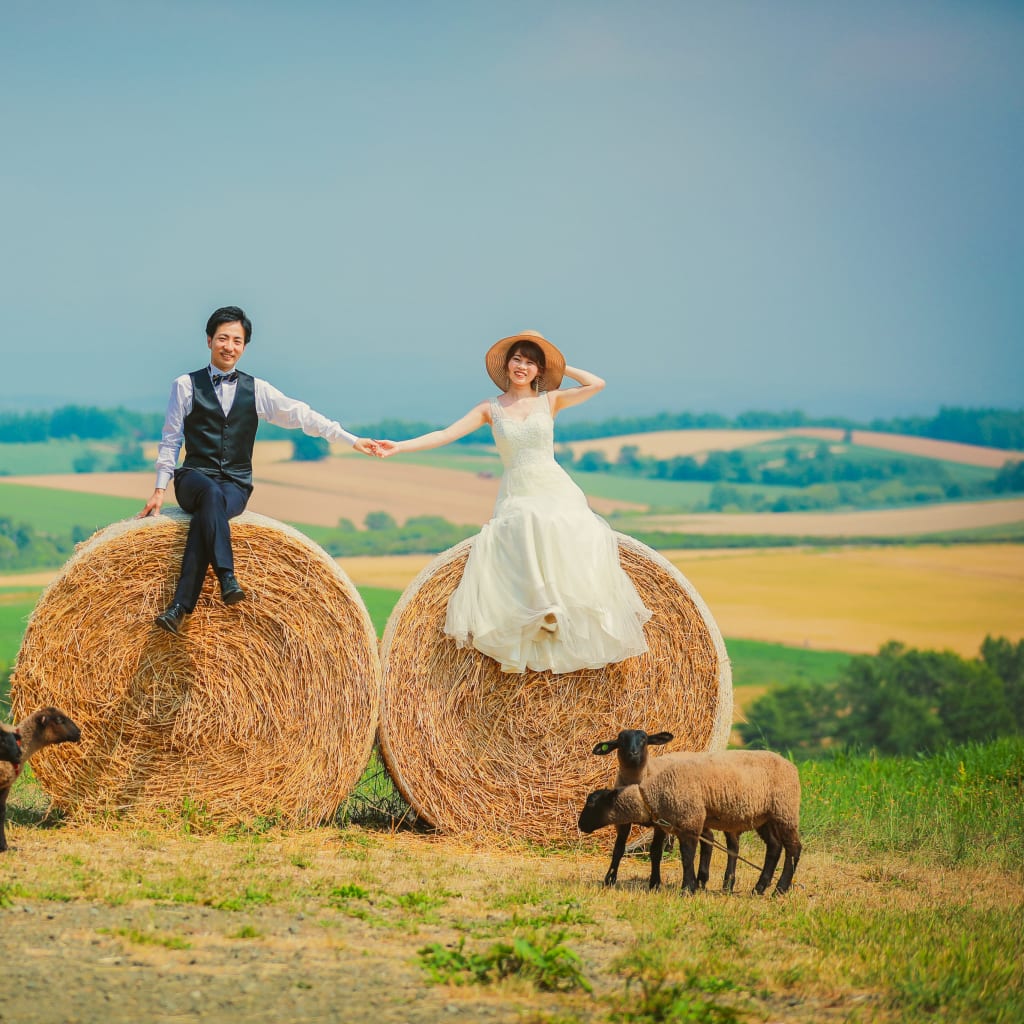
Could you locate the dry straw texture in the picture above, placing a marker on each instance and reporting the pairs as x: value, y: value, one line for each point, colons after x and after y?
x: 265, y: 708
x: 479, y: 752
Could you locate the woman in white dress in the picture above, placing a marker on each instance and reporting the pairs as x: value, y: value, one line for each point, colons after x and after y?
x: 542, y: 588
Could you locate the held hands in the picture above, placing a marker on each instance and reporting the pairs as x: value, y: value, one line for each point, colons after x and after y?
x: 375, y: 447
x: 366, y: 446
x: 388, y: 448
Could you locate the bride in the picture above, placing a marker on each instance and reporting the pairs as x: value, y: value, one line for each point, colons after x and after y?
x: 542, y: 588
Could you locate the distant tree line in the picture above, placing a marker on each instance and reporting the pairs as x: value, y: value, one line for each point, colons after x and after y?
x: 815, y: 476
x: 997, y: 428
x: 383, y: 536
x: 24, y: 547
x: 899, y: 701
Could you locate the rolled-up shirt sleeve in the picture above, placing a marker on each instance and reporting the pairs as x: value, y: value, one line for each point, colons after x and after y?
x: 178, y: 407
x: 277, y: 408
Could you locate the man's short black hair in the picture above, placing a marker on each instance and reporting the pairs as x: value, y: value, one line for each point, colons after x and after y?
x: 228, y: 315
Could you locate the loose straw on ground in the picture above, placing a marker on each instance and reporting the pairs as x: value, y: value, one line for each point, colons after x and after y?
x: 476, y: 751
x: 267, y: 708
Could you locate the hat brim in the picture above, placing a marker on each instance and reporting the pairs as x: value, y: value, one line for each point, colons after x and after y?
x: 497, y: 358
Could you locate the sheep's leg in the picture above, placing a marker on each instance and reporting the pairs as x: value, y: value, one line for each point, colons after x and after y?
x: 732, y: 844
x: 657, y: 848
x: 3, y: 818
x: 772, y: 851
x: 621, y: 836
x: 707, y: 837
x: 687, y: 849
x: 791, y: 841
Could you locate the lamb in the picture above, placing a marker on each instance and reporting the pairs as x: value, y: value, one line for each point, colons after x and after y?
x: 733, y: 791
x: 635, y: 766
x: 43, y: 728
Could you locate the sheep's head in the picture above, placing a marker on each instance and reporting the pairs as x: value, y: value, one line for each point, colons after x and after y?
x: 596, y: 810
x: 53, y: 726
x: 10, y: 746
x: 632, y: 746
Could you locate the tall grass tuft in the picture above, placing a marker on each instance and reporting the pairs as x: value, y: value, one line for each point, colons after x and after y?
x: 963, y: 805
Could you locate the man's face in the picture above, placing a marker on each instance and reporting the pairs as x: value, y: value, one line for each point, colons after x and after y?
x: 227, y: 345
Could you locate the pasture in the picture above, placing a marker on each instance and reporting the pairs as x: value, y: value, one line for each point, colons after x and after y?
x: 906, y: 909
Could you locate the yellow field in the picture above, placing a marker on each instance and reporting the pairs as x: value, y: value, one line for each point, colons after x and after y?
x: 844, y: 600
x: 857, y: 599
x: 852, y: 599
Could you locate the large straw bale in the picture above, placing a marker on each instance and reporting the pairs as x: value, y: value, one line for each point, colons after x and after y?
x: 476, y: 751
x: 265, y: 708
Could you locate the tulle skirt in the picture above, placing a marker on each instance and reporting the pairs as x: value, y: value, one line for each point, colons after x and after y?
x: 543, y: 588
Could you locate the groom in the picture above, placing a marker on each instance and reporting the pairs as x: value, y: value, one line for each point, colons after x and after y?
x: 214, y: 412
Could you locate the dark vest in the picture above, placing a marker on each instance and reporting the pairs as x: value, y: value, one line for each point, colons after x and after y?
x: 220, y: 445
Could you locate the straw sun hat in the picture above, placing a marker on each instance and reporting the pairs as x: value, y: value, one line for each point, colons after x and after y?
x: 497, y: 357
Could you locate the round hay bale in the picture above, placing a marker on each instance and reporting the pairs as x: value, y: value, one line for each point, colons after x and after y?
x: 265, y: 708
x: 478, y: 751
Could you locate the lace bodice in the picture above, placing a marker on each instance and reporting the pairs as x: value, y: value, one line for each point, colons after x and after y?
x: 527, y: 442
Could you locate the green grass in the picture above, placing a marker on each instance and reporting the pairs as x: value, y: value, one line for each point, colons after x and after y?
x: 14, y: 613
x: 959, y: 806
x: 762, y: 664
x: 379, y: 603
x: 57, y: 512
x: 49, y: 456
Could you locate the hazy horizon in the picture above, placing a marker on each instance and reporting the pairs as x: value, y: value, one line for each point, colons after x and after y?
x: 718, y: 208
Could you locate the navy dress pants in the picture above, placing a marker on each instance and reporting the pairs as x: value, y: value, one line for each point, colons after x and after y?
x: 211, y: 501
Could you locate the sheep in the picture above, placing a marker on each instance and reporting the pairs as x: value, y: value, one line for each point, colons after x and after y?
x: 10, y: 745
x: 733, y: 791
x: 43, y: 728
x: 635, y: 766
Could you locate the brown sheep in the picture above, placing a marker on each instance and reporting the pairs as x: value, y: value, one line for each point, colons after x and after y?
x: 631, y: 747
x: 733, y: 791
x: 43, y: 728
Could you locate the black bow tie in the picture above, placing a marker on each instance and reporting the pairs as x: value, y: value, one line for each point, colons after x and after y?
x: 229, y: 378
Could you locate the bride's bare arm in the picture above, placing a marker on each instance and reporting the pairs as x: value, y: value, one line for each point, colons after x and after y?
x: 589, y: 383
x: 476, y: 417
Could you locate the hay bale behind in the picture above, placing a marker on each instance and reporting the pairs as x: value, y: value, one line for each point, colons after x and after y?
x: 268, y: 707
x: 478, y: 751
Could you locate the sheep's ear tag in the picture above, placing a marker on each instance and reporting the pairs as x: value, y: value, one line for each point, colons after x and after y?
x: 603, y: 748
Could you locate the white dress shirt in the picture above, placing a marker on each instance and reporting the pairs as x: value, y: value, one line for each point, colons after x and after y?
x: 271, y: 405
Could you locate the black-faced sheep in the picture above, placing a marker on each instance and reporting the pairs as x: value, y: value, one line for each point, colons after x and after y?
x: 631, y: 747
x: 43, y: 728
x: 733, y: 791
x: 10, y: 744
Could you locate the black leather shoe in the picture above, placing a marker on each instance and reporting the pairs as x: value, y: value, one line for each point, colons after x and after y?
x: 172, y: 619
x: 230, y: 591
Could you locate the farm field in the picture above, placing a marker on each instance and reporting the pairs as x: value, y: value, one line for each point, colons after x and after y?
x: 850, y: 600
x: 666, y: 444
x: 903, y: 912
x: 842, y: 599
x: 319, y: 494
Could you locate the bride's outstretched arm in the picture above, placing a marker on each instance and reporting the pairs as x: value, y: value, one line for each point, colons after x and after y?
x: 476, y: 417
x: 589, y: 383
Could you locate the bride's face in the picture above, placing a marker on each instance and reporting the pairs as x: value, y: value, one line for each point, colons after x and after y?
x: 522, y: 370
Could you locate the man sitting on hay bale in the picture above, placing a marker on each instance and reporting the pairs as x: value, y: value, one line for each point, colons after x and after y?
x: 215, y: 412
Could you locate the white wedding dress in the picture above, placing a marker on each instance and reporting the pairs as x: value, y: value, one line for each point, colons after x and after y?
x: 545, y: 553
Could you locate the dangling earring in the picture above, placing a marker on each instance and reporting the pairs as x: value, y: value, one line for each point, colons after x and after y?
x: 539, y: 382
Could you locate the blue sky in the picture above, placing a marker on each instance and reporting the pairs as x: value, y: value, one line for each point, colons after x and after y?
x: 715, y: 206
